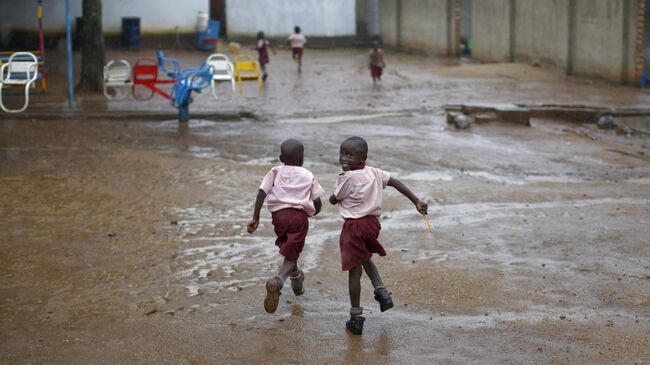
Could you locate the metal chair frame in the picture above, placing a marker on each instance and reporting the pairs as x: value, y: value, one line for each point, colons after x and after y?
x: 117, y: 77
x: 223, y: 71
x: 247, y: 69
x: 20, y: 70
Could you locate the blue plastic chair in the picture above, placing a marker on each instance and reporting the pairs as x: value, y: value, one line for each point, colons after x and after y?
x: 192, y: 79
x: 169, y: 65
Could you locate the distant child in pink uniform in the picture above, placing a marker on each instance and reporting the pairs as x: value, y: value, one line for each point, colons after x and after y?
x: 263, y: 46
x: 297, y: 42
x: 376, y: 62
x: 293, y: 196
x: 358, y: 194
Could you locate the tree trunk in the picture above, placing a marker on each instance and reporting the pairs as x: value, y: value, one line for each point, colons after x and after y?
x: 92, y: 47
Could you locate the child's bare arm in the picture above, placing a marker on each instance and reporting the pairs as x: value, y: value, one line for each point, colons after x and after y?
x: 333, y: 200
x: 317, y: 205
x: 252, y: 225
x: 420, y: 205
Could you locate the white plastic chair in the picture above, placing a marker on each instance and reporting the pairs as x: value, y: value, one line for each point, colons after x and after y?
x: 223, y: 70
x: 117, y: 77
x: 20, y: 70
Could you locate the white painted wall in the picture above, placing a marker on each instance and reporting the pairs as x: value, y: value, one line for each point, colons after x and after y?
x: 155, y: 15
x: 278, y: 17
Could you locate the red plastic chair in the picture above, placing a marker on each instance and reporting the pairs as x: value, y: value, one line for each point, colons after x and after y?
x: 145, y: 73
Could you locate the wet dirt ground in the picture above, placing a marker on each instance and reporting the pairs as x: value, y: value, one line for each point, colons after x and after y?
x: 123, y: 240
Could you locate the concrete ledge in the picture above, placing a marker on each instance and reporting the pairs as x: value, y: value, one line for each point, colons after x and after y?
x: 521, y: 114
x: 131, y: 115
x: 491, y: 112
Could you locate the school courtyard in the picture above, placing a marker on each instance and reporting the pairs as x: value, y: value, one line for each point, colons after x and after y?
x: 123, y: 233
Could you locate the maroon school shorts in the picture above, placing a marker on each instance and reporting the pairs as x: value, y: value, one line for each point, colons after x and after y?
x: 359, y: 241
x: 375, y: 71
x: 297, y: 51
x: 291, y: 226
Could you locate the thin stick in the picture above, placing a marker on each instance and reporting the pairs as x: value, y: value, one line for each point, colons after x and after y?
x: 426, y: 219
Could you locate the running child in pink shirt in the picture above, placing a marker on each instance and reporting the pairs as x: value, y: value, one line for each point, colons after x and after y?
x: 293, y: 196
x: 297, y: 42
x: 358, y: 193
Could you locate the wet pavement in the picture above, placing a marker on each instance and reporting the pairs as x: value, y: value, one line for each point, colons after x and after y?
x: 123, y: 240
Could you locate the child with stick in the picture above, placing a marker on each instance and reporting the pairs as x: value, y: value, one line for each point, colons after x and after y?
x: 358, y: 194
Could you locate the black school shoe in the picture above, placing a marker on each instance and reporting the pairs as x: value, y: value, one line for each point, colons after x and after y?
x: 273, y: 293
x: 385, y: 301
x: 355, y: 325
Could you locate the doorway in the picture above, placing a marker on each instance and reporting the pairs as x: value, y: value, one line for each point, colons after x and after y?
x: 646, y: 38
x: 218, y: 12
x: 466, y: 28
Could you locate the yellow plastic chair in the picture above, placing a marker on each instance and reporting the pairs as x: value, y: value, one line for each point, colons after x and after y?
x: 247, y: 69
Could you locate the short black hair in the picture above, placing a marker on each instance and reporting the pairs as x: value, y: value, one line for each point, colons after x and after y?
x: 359, y: 143
x: 291, y: 151
x: 296, y: 29
x: 260, y: 35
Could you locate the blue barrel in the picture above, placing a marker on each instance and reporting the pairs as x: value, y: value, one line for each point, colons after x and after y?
x: 207, y: 40
x: 130, y: 32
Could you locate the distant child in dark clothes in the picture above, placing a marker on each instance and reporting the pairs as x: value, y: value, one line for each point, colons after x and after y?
x: 358, y: 194
x: 263, y: 46
x: 297, y: 42
x: 293, y: 196
x: 376, y: 62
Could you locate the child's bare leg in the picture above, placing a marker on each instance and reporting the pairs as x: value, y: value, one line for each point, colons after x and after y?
x: 381, y: 294
x: 372, y: 272
x: 355, y: 323
x: 288, y: 267
x: 264, y: 74
x: 354, y: 284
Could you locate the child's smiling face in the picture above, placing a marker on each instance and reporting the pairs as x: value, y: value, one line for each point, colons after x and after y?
x: 351, y: 155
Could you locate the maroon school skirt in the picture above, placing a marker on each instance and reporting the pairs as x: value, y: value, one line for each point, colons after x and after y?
x: 359, y: 241
x: 297, y: 51
x: 375, y: 71
x: 264, y: 56
x: 291, y: 226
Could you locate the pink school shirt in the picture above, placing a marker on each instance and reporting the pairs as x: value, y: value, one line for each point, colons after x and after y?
x: 360, y: 192
x: 291, y: 187
x: 297, y: 40
x: 262, y: 43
